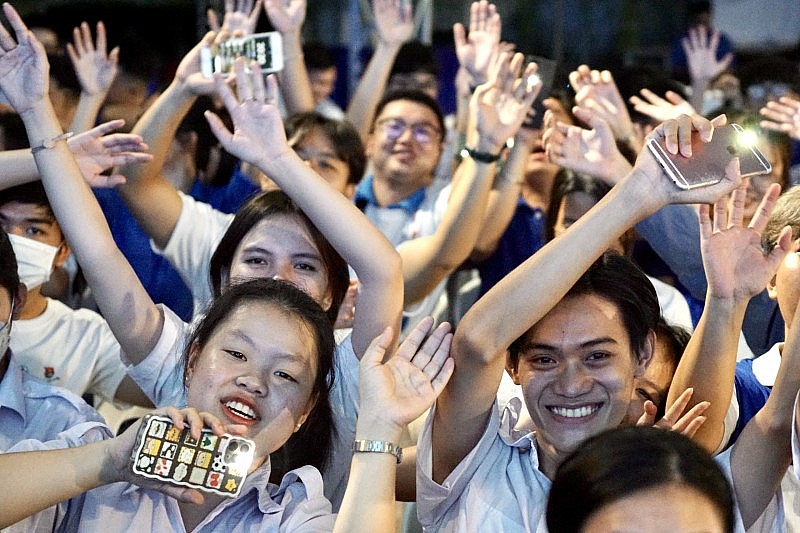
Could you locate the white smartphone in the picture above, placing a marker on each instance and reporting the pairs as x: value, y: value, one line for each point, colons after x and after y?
x: 708, y: 161
x: 265, y: 48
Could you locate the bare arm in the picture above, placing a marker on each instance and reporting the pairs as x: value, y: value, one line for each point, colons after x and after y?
x: 153, y: 200
x: 525, y: 295
x: 497, y: 110
x: 394, y: 26
x: 736, y: 269
x: 259, y: 138
x: 131, y: 314
x: 95, y: 69
x: 287, y: 18
x: 392, y: 395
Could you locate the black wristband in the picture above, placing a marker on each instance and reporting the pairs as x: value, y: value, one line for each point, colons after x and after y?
x: 482, y: 157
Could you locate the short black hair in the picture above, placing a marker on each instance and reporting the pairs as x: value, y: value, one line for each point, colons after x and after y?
x: 620, y: 462
x: 418, y: 97
x: 617, y: 279
x: 9, y: 276
x: 341, y: 133
x: 415, y: 56
x: 317, y: 56
x: 27, y: 193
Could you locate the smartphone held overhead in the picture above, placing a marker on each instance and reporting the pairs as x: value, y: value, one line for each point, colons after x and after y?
x: 264, y: 48
x: 707, y: 164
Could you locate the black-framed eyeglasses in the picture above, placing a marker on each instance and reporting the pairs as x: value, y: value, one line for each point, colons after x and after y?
x: 422, y: 132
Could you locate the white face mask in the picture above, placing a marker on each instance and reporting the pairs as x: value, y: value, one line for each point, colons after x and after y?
x: 5, y: 332
x: 34, y: 260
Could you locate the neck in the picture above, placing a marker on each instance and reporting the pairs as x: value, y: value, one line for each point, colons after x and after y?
x: 389, y: 190
x: 35, y: 304
x: 549, y: 459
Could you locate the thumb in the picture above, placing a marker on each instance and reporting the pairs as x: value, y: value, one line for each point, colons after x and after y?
x: 377, y: 348
x: 593, y: 120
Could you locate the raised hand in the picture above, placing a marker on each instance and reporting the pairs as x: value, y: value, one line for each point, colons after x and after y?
x: 94, y: 67
x: 258, y: 133
x: 597, y: 92
x: 97, y: 150
x: 498, y: 107
x: 676, y: 135
x: 286, y: 16
x: 735, y: 265
x: 476, y: 49
x: 396, y: 392
x: 701, y: 54
x: 592, y: 152
x: 240, y: 19
x: 661, y: 109
x: 674, y: 419
x: 783, y: 115
x: 189, y: 73
x: 23, y: 64
x: 394, y: 21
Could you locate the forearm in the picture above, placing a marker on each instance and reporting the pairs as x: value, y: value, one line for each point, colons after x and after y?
x: 698, y: 89
x: 361, y: 109
x: 87, y: 111
x: 295, y: 84
x: 429, y: 260
x: 708, y: 366
x: 369, y: 501
x: 45, y: 478
x: 18, y: 168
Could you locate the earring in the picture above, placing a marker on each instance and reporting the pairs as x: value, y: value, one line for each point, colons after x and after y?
x: 297, y: 426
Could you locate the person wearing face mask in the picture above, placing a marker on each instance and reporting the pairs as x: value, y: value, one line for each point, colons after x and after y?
x: 33, y: 414
x: 70, y: 348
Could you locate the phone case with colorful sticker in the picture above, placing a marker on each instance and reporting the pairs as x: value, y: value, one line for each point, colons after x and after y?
x: 213, y: 463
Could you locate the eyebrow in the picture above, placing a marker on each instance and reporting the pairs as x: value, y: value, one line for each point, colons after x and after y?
x: 32, y: 220
x: 551, y: 347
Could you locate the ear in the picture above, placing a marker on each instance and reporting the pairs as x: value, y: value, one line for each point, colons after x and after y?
x: 349, y: 190
x: 512, y: 369
x: 645, y: 355
x: 312, y: 402
x: 62, y: 254
x: 369, y: 145
x: 772, y: 291
x: 191, y: 362
x: 20, y: 298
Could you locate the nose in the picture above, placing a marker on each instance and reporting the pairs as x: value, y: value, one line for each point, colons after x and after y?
x: 407, y: 136
x: 252, y: 384
x: 283, y: 272
x: 573, y: 381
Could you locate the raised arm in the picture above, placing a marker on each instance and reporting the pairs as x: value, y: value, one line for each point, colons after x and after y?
x: 523, y: 297
x: 153, y: 200
x: 394, y: 25
x: 391, y: 396
x: 258, y: 138
x: 736, y: 269
x: 497, y: 110
x: 131, y: 314
x: 287, y: 18
x: 95, y: 68
x: 763, y: 451
x: 95, y: 151
x: 701, y: 57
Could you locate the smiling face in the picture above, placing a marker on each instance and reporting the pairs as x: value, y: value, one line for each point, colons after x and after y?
x: 405, y: 159
x: 257, y: 369
x: 576, y: 369
x: 281, y: 247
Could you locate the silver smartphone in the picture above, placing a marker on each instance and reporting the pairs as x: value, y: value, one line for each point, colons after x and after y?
x: 265, y: 48
x: 708, y: 161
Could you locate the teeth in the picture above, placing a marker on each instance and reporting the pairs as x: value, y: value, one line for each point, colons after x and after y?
x: 574, y: 413
x: 241, y: 409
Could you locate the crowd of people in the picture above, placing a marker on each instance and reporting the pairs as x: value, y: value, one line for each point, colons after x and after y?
x: 508, y: 319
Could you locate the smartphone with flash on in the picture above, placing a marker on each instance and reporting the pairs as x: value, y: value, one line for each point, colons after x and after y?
x: 212, y: 463
x: 707, y: 164
x: 265, y: 48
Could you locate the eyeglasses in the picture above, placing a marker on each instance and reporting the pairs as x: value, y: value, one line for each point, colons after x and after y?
x: 423, y: 133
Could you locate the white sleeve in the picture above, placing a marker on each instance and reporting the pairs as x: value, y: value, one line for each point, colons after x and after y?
x: 199, y: 229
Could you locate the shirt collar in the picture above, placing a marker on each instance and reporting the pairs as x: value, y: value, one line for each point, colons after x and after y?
x: 11, y: 392
x: 365, y: 196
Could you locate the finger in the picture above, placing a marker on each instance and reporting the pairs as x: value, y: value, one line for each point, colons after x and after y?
x: 648, y: 417
x: 130, y: 158
x: 213, y: 21
x: 218, y: 128
x: 652, y: 97
x: 703, y: 126
x: 679, y: 405
x: 765, y: 207
x: 86, y: 34
x: 432, y: 343
x: 109, y: 182
x: 459, y: 35
x: 685, y: 135
x: 438, y: 358
x: 693, y: 426
x: 225, y: 93
x: 669, y: 130
x: 15, y: 21
x: 377, y: 348
x: 409, y: 347
x: 720, y: 214
x: 719, y: 120
x: 244, y: 86
x: 101, y: 37
x: 690, y: 416
x: 736, y: 212
x: 439, y: 382
x: 704, y: 212
x: 107, y: 127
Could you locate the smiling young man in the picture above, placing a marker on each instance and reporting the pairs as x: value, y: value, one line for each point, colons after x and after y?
x: 577, y: 331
